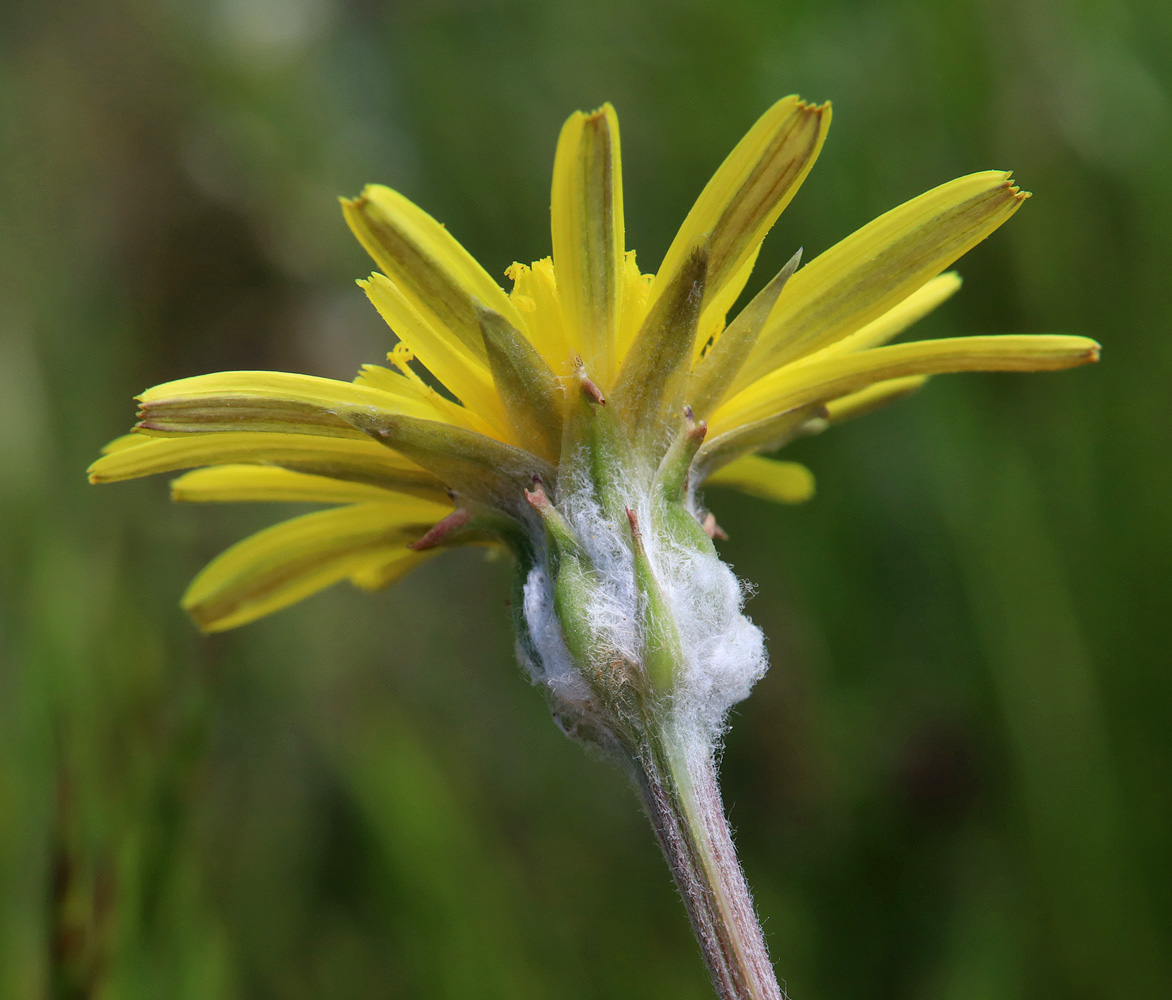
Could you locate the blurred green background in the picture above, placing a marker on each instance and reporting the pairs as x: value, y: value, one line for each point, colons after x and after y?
x: 956, y: 780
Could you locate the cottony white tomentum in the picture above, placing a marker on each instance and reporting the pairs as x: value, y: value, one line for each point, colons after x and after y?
x: 629, y: 618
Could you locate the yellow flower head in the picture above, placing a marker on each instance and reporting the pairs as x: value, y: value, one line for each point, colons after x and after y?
x: 582, y: 411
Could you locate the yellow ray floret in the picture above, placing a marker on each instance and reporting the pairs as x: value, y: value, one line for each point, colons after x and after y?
x: 268, y: 401
x: 745, y: 197
x: 448, y: 358
x: 898, y: 318
x: 857, y: 404
x: 357, y: 461
x: 871, y: 271
x: 535, y: 295
x: 586, y: 222
x: 291, y: 560
x: 797, y: 385
x: 436, y: 275
x: 266, y: 484
x: 781, y: 482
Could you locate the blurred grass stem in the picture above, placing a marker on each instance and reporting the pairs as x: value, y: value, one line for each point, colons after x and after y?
x: 682, y: 798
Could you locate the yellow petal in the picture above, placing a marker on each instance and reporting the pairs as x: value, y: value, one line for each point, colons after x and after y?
x: 535, y: 296
x: 782, y: 482
x: 358, y: 461
x: 121, y: 444
x: 868, y: 273
x: 448, y: 359
x: 266, y: 401
x: 797, y: 385
x: 586, y: 220
x: 636, y: 287
x: 380, y: 377
x: 291, y: 560
x: 435, y: 274
x: 383, y: 570
x: 897, y: 319
x: 745, y: 196
x: 872, y: 398
x: 268, y: 484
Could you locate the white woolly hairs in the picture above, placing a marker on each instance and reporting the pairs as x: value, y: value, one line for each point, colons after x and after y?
x: 723, y: 651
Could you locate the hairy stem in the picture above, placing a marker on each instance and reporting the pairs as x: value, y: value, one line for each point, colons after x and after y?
x: 682, y: 798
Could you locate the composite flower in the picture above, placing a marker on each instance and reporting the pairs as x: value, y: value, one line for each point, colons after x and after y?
x: 395, y: 457
x: 577, y: 420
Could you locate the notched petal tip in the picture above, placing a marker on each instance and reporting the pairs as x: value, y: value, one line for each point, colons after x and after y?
x: 814, y: 110
x: 800, y: 103
x: 369, y: 193
x: 604, y: 111
x: 1011, y: 186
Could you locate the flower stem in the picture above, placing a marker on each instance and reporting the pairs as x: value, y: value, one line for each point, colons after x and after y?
x: 682, y: 798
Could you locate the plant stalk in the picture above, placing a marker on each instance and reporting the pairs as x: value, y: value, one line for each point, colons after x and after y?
x: 682, y: 798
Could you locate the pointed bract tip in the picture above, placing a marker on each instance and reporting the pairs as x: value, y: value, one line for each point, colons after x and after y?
x: 537, y: 497
x: 711, y: 528
x: 483, y: 312
x: 587, y: 384
x: 694, y: 429
x: 442, y: 530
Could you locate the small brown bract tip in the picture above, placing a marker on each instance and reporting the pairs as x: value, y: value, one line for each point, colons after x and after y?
x: 634, y: 521
x: 537, y: 497
x: 455, y: 520
x: 711, y: 528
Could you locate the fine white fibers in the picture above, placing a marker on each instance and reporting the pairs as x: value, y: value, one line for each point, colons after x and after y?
x: 549, y: 661
x: 613, y: 607
x: 721, y: 652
